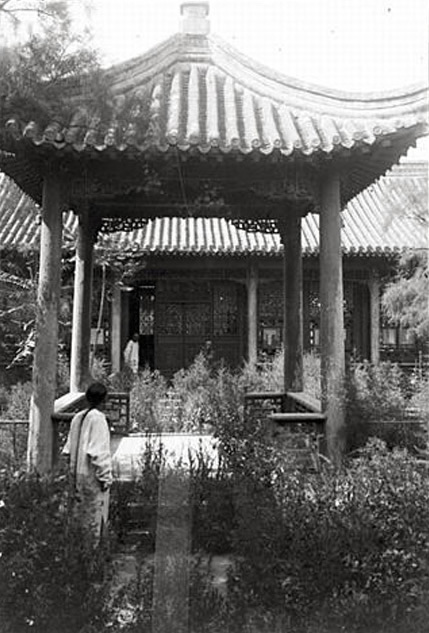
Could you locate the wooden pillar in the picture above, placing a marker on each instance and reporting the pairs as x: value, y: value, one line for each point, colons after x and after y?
x: 290, y: 233
x: 125, y: 322
x: 374, y: 308
x: 306, y: 316
x: 332, y: 315
x: 40, y: 434
x: 82, y: 304
x: 252, y: 313
x: 115, y: 349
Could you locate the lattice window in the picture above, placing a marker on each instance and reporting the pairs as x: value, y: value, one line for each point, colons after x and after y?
x: 225, y: 310
x: 314, y: 305
x: 197, y: 320
x: 170, y: 319
x: 271, y: 305
x: 147, y: 313
x: 348, y: 301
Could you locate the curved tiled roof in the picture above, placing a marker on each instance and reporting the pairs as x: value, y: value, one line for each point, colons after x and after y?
x: 196, y: 91
x: 380, y: 220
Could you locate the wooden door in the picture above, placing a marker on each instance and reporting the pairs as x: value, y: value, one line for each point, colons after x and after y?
x: 191, y: 314
x: 182, y: 330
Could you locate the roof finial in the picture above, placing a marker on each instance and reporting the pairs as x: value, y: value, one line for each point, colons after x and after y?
x: 194, y: 17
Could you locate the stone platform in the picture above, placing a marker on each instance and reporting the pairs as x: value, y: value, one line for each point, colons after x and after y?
x: 178, y: 449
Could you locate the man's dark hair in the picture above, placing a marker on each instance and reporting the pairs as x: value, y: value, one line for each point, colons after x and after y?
x: 96, y: 393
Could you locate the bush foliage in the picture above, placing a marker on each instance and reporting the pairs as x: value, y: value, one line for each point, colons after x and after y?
x: 324, y: 552
x: 337, y: 551
x: 328, y: 552
x: 51, y: 578
x: 378, y: 397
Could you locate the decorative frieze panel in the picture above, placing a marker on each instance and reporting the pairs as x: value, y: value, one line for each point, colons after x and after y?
x: 111, y: 225
x: 256, y: 225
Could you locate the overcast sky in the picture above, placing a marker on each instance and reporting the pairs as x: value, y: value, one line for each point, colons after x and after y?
x: 359, y: 45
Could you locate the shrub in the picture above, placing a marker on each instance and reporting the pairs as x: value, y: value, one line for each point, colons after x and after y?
x: 342, y: 551
x: 193, y: 401
x: 200, y: 396
x: 269, y: 372
x: 138, y: 606
x: 17, y: 403
x: 377, y: 390
x: 376, y: 406
x: 211, y: 505
x: 122, y: 380
x: 135, y: 505
x: 419, y: 397
x: 51, y: 579
x: 202, y: 392
x: 146, y: 400
x: 267, y: 375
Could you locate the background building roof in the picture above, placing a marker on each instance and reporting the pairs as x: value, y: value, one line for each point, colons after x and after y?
x: 385, y: 218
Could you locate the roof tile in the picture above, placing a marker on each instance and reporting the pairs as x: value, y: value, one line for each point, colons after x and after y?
x: 381, y: 219
x: 201, y: 92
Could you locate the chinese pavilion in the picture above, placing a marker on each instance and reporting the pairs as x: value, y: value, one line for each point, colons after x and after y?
x: 198, y: 130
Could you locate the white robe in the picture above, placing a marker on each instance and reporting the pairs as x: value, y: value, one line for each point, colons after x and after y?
x: 131, y: 355
x: 91, y: 464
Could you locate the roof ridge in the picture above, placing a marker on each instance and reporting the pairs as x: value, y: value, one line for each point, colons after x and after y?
x: 264, y: 81
x: 211, y: 45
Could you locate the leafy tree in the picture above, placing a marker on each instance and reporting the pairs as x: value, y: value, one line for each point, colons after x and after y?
x: 406, y: 298
x: 13, y: 11
x: 40, y: 77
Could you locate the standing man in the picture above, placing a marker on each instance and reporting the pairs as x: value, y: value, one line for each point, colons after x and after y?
x: 131, y: 354
x: 88, y: 446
